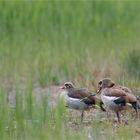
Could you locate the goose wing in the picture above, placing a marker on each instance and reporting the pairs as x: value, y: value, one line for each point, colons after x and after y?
x: 128, y: 97
x: 114, y: 92
x: 79, y: 93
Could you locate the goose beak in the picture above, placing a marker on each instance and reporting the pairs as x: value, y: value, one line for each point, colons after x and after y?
x: 62, y: 87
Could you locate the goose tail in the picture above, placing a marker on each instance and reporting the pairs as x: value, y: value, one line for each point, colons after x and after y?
x: 135, y: 105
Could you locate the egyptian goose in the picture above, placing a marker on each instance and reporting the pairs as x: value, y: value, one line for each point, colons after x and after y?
x: 79, y: 98
x: 115, y: 98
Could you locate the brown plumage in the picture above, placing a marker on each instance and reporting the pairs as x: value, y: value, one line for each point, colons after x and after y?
x: 126, y: 89
x: 116, y: 97
x: 83, y: 95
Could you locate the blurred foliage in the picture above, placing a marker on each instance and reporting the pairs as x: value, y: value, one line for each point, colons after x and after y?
x: 54, y: 19
x: 49, y: 42
x: 132, y: 63
x: 55, y: 41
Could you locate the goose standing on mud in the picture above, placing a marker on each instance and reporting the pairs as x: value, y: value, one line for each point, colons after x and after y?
x: 115, y: 98
x: 79, y: 98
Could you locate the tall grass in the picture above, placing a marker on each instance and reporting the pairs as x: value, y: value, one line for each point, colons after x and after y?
x: 48, y: 42
x: 30, y: 119
x: 132, y: 63
x: 51, y: 41
x: 34, y: 120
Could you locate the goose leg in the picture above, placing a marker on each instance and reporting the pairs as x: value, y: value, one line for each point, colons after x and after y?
x: 118, y: 116
x: 136, y: 109
x: 135, y: 106
x: 136, y: 112
x: 82, y: 115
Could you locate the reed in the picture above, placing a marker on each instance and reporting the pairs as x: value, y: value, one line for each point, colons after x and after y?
x: 45, y: 43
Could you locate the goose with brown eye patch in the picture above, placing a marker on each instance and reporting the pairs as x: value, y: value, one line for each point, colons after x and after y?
x: 79, y: 98
x: 116, y: 98
x: 67, y: 85
x: 105, y: 83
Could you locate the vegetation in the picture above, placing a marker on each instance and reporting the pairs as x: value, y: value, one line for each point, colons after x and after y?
x: 44, y: 43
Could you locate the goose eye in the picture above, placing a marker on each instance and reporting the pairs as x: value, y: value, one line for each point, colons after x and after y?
x: 100, y: 83
x: 67, y: 85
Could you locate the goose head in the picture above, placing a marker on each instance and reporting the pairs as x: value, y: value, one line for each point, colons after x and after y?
x: 67, y: 86
x: 104, y: 83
